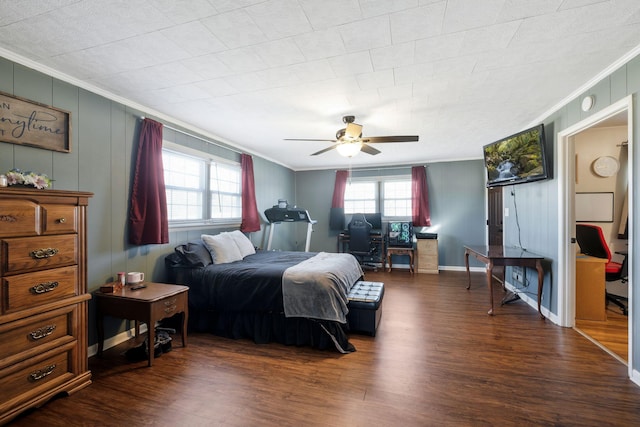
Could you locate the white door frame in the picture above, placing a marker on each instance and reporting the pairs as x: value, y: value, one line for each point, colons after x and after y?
x: 565, y: 153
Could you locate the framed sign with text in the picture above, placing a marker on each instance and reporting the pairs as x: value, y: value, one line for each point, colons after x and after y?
x: 30, y: 123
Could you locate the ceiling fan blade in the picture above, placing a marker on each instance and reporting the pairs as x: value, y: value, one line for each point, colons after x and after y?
x: 369, y: 149
x: 324, y: 151
x: 398, y: 138
x: 303, y: 139
x: 353, y: 131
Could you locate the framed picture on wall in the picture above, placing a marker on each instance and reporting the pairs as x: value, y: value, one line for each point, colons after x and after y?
x: 25, y: 122
x: 594, y: 207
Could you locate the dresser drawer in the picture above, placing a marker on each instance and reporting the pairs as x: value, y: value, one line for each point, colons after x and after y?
x: 60, y: 219
x: 30, y: 376
x: 19, y: 218
x: 28, y: 290
x: 34, y: 332
x: 37, y: 253
x: 169, y: 306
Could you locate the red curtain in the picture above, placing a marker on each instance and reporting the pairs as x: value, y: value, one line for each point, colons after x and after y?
x: 148, y: 217
x: 421, y: 217
x: 338, y: 189
x: 336, y: 214
x: 250, y: 216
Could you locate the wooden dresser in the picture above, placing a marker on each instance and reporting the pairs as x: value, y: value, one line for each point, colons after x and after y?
x: 43, y: 297
x: 427, y: 256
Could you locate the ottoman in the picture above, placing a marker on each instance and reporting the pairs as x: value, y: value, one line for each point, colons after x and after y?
x: 365, y: 306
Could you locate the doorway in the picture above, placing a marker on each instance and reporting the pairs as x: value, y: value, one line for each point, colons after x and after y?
x: 494, y: 221
x: 566, y: 155
x: 495, y: 226
x: 600, y: 195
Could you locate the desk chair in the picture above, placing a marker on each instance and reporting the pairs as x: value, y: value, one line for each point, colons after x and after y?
x: 592, y: 243
x: 360, y: 244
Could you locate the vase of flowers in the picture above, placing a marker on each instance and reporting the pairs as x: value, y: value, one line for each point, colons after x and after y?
x: 28, y: 179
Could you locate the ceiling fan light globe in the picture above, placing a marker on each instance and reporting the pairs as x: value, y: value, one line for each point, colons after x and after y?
x: 349, y: 149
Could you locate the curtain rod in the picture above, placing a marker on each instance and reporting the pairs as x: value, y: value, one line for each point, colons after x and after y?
x: 380, y: 168
x: 198, y: 137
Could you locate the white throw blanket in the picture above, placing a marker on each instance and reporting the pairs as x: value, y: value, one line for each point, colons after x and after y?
x: 317, y: 288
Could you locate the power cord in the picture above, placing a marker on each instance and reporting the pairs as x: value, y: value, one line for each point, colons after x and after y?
x: 515, y: 206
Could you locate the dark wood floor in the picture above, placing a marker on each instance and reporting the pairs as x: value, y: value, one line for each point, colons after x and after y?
x: 438, y: 359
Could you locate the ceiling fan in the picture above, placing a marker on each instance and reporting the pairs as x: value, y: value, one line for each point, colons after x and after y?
x: 349, y: 140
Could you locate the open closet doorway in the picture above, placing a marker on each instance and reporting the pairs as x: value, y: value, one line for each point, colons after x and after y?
x: 577, y: 154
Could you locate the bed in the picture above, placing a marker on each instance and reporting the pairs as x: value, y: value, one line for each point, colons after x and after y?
x: 294, y: 298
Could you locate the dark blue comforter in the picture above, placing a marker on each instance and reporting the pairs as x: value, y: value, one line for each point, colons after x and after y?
x: 251, y: 285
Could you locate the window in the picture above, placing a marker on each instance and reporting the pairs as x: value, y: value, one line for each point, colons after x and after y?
x: 200, y: 189
x: 224, y: 181
x: 183, y: 178
x: 390, y: 196
x: 396, y: 198
x: 361, y: 197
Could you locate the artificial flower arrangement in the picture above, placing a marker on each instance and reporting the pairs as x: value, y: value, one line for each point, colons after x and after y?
x: 28, y: 178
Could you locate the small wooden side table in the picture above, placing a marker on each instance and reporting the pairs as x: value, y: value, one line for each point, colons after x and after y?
x: 155, y: 302
x: 400, y: 251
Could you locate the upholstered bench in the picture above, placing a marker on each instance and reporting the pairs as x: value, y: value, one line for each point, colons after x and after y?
x: 365, y: 306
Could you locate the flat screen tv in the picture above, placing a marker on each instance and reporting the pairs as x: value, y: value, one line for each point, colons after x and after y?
x: 400, y: 234
x: 516, y: 159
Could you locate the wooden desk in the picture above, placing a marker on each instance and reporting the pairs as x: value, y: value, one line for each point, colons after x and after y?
x: 504, y: 256
x: 400, y: 251
x: 155, y: 302
x: 590, y: 288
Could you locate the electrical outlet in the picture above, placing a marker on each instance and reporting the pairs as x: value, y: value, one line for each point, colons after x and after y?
x: 517, y: 275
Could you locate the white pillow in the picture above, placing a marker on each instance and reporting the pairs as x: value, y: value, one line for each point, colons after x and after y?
x: 222, y: 247
x: 243, y: 242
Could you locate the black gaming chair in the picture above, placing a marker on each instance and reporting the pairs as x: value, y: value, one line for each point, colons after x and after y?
x: 360, y: 239
x: 592, y: 242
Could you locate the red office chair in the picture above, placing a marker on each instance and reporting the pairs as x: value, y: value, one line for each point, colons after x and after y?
x: 592, y: 243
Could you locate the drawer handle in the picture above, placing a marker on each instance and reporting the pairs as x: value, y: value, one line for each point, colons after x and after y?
x: 45, y: 287
x: 170, y: 302
x: 41, y: 373
x: 62, y: 220
x: 170, y: 309
x: 44, y: 253
x: 40, y: 333
x: 8, y: 218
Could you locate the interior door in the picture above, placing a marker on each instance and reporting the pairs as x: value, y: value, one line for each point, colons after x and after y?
x: 494, y: 221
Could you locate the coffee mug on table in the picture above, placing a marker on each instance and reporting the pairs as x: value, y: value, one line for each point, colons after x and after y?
x: 135, y: 277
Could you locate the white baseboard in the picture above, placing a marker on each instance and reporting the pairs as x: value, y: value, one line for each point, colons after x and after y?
x: 635, y: 377
x: 533, y: 302
x: 114, y: 341
x: 461, y: 268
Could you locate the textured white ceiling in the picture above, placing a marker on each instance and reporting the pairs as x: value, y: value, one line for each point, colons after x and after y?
x: 458, y: 73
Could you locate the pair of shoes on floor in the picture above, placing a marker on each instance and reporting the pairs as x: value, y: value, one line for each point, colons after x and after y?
x: 162, y: 344
x: 163, y: 339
